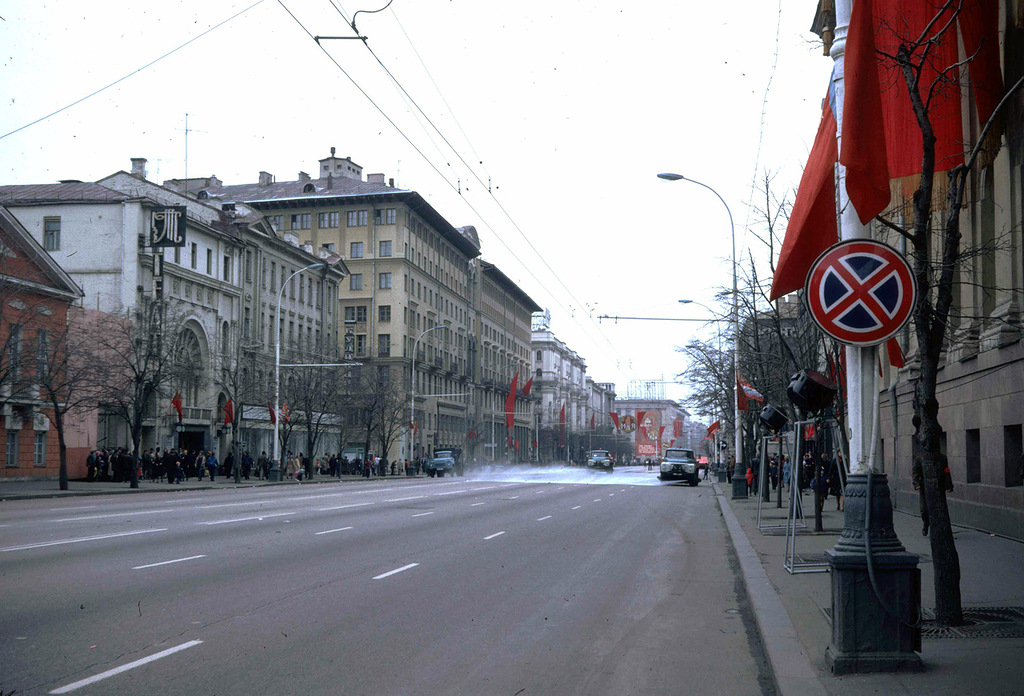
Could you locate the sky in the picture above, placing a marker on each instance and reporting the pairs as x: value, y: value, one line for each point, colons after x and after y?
x: 554, y: 120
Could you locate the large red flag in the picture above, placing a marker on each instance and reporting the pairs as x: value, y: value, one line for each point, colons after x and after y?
x: 592, y: 421
x: 561, y: 424
x: 229, y: 412
x: 176, y: 403
x: 527, y: 387
x: 812, y: 223
x: 615, y: 418
x: 713, y: 428
x: 864, y: 150
x: 510, y: 401
x: 741, y: 396
x: 892, y: 347
x: 273, y: 416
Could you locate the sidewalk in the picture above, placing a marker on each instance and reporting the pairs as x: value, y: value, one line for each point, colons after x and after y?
x: 992, y: 575
x: 34, y: 488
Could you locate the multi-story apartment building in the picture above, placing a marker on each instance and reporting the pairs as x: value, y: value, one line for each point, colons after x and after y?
x: 35, y: 298
x: 408, y: 289
x: 219, y: 288
x: 503, y: 339
x: 559, y: 375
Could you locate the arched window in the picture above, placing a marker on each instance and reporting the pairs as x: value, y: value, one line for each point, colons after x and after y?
x: 225, y: 337
x: 188, y: 359
x: 203, y: 195
x: 308, y: 188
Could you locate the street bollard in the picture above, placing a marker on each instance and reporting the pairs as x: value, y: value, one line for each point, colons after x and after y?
x: 274, y: 475
x: 721, y: 476
x: 739, y: 488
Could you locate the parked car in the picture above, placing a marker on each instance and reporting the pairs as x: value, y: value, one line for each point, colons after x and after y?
x: 600, y: 459
x: 680, y: 463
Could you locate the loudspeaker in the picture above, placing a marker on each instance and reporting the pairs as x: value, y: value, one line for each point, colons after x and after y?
x: 811, y: 391
x: 772, y: 418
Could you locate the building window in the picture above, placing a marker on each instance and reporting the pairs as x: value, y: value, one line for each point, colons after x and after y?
x: 973, y: 455
x: 356, y: 250
x: 177, y: 255
x: 385, y: 248
x: 51, y: 234
x: 327, y: 220
x: 273, y: 276
x: 291, y: 285
x: 276, y: 222
x: 39, y: 450
x: 1013, y: 451
x: 385, y: 281
x: 350, y: 314
x: 248, y: 267
x: 227, y: 269
x: 361, y: 314
x: 355, y: 281
x: 384, y: 313
x: 12, y: 448
x: 384, y: 345
x: 302, y: 289
x: 384, y: 216
x: 42, y: 352
x: 329, y: 247
x: 194, y: 258
x: 247, y: 324
x: 300, y: 221
x: 14, y: 351
x: 360, y: 345
x: 209, y: 261
x: 357, y: 218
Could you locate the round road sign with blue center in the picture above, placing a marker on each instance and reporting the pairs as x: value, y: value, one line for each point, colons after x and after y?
x: 860, y: 292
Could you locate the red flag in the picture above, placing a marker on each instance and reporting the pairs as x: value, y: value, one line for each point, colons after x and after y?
x: 527, y: 387
x: 471, y: 435
x: 809, y: 432
x: 677, y: 427
x: 741, y: 396
x: 812, y: 223
x: 615, y: 418
x: 592, y: 421
x: 661, y: 433
x: 273, y: 416
x: 284, y: 412
x: 713, y: 428
x: 176, y: 403
x: 229, y: 412
x: 892, y: 346
x: 535, y: 444
x: 864, y: 140
x: 561, y: 424
x: 517, y: 444
x: 510, y: 401
x: 640, y: 416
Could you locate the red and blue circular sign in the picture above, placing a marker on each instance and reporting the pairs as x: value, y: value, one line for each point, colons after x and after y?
x: 860, y: 292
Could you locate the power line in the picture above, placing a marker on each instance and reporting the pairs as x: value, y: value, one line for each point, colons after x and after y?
x: 133, y: 72
x: 445, y: 179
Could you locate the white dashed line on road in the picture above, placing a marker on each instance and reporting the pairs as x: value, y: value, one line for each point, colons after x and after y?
x: 75, y: 541
x: 396, y: 570
x: 345, y: 507
x: 114, y: 514
x: 247, y: 519
x: 597, y: 500
x: 399, y: 500
x: 176, y: 560
x: 124, y: 668
x: 577, y: 507
x: 332, y: 531
x: 475, y: 504
x: 421, y: 514
x: 488, y: 538
x: 513, y: 497
x: 546, y: 517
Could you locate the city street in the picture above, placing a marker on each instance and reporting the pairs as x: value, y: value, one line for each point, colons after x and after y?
x: 532, y: 581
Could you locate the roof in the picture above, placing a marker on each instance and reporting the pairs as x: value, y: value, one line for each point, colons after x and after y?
x: 508, y: 284
x: 71, y: 192
x: 60, y: 283
x: 334, y: 191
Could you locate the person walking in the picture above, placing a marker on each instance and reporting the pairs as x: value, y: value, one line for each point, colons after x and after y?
x: 246, y: 465
x: 785, y: 471
x: 750, y: 479
x: 261, y: 465
x: 730, y: 469
x: 835, y: 484
x: 211, y: 464
x: 200, y: 464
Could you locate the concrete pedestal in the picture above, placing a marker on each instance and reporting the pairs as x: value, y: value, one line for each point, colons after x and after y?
x: 721, y: 476
x: 865, y: 636
x: 274, y: 474
x: 739, y: 488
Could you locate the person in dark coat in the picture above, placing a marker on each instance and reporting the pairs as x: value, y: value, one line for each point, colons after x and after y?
x: 90, y: 466
x: 246, y: 465
x: 169, y: 460
x: 211, y: 464
x: 229, y: 462
x: 835, y: 484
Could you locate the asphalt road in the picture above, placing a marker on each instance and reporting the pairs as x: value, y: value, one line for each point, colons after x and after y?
x: 553, y: 581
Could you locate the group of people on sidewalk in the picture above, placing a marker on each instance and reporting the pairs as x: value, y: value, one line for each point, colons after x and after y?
x: 826, y: 473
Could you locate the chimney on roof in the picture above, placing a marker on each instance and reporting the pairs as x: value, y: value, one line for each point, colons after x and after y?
x: 266, y: 179
x: 330, y: 181
x: 375, y: 178
x: 139, y: 166
x: 303, y: 176
x: 391, y: 182
x: 332, y: 152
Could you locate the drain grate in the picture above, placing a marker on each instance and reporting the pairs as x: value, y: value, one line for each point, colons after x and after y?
x: 979, y: 622
x: 781, y: 531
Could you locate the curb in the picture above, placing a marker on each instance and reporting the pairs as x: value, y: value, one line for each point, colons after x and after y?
x: 791, y: 667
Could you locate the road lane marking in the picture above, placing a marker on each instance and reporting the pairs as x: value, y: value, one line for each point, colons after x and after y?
x: 114, y: 514
x: 488, y: 538
x: 399, y: 500
x: 331, y: 531
x: 513, y: 497
x: 421, y: 514
x: 396, y: 570
x: 345, y: 507
x: 546, y: 517
x: 449, y: 492
x: 251, y: 502
x: 69, y: 509
x: 176, y: 560
x: 248, y: 519
x: 75, y: 541
x: 610, y: 495
x: 577, y: 507
x: 597, y: 500
x: 475, y: 504
x: 124, y: 668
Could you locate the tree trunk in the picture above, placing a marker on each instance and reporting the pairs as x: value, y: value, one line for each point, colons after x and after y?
x: 58, y: 421
x: 133, y: 474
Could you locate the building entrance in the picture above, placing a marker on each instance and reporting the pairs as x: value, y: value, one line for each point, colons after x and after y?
x: 192, y: 440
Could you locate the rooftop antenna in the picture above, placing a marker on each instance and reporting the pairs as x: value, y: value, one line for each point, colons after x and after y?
x: 187, y: 131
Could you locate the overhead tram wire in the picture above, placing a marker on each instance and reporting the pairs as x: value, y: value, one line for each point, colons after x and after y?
x: 476, y: 176
x: 445, y: 179
x: 133, y: 72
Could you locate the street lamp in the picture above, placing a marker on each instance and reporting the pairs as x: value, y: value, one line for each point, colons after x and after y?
x: 412, y: 391
x: 735, y: 307
x: 277, y: 353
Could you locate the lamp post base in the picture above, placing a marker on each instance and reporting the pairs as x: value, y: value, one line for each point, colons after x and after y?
x: 866, y: 637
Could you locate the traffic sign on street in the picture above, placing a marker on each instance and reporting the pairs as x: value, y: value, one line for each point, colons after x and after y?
x: 860, y: 292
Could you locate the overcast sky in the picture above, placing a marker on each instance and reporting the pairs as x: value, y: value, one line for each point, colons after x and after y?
x: 572, y: 107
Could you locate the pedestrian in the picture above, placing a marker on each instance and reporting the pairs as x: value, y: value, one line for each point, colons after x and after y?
x: 785, y: 470
x: 261, y: 465
x: 394, y: 466
x: 229, y: 465
x: 773, y: 473
x: 730, y: 469
x: 307, y: 465
x: 835, y: 484
x: 200, y: 464
x: 211, y: 464
x: 168, y: 461
x: 90, y: 466
x: 750, y: 479
x: 246, y: 465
